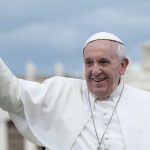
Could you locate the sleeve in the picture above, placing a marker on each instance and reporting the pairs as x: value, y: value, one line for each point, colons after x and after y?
x: 10, y: 100
x: 43, y: 113
x: 10, y: 90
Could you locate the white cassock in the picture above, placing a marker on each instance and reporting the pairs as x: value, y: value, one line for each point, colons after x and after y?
x: 56, y: 114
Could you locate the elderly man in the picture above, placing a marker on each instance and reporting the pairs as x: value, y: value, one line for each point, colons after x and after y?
x: 100, y: 113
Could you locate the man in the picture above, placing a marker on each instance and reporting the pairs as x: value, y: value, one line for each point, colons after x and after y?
x: 101, y: 113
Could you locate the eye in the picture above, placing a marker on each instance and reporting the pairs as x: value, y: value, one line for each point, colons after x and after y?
x: 104, y: 62
x: 88, y: 62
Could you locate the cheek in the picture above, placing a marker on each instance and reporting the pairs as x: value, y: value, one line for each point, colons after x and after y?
x: 87, y: 72
x: 118, y: 70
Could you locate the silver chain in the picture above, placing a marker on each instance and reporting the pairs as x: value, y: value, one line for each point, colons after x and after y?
x: 98, y: 139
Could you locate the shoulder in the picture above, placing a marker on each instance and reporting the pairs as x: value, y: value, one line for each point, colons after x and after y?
x: 137, y: 102
x: 136, y: 92
x: 64, y: 82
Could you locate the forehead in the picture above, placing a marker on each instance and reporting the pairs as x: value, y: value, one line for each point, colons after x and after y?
x: 105, y: 47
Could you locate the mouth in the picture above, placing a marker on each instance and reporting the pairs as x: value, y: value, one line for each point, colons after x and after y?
x: 99, y: 79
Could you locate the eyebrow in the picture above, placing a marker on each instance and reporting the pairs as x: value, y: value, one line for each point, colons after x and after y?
x: 87, y: 59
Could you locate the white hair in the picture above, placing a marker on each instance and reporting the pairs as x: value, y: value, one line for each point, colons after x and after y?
x: 121, y: 50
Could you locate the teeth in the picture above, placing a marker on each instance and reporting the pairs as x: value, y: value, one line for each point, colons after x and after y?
x: 98, y: 80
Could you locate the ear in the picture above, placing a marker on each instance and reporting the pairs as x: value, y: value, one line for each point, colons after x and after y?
x: 124, y: 64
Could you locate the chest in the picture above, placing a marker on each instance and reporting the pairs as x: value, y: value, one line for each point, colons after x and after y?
x: 102, y: 131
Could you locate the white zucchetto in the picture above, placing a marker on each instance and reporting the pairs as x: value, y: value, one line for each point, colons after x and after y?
x: 103, y: 36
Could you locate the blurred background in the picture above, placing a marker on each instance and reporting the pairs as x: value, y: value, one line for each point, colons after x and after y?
x: 40, y: 39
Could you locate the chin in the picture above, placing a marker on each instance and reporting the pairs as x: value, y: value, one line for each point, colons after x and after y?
x: 98, y: 94
x: 101, y: 93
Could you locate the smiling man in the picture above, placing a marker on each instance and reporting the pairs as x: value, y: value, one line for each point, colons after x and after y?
x: 98, y: 113
x: 103, y: 66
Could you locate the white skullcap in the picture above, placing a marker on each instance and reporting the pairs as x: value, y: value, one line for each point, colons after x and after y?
x: 103, y: 36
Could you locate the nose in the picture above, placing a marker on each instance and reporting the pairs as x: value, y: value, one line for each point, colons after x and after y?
x: 96, y: 70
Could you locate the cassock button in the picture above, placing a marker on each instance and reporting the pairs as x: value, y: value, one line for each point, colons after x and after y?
x: 105, y: 113
x: 106, y: 138
x: 105, y: 123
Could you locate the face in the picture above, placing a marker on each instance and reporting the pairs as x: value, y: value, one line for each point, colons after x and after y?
x: 103, y: 67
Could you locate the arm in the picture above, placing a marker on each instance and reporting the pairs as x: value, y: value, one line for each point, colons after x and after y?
x: 43, y: 112
x: 10, y: 90
x: 10, y: 100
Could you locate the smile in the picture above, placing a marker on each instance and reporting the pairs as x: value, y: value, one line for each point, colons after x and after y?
x: 98, y: 79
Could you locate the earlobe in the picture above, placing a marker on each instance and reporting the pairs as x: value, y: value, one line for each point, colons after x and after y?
x: 124, y: 65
